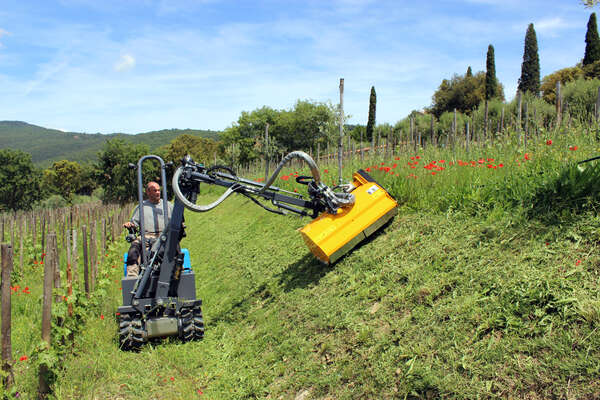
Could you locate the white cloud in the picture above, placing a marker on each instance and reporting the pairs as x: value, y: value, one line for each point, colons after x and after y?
x: 125, y: 63
x: 3, y: 33
x: 551, y: 26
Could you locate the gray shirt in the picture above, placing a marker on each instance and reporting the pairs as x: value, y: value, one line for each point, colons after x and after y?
x: 154, y: 220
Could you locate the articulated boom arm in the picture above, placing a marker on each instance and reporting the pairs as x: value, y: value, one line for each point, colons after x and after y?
x: 188, y: 177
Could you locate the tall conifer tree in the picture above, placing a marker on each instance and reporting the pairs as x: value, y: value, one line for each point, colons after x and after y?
x: 491, y: 84
x: 469, y: 72
x: 530, y: 69
x: 372, y: 112
x: 592, y: 42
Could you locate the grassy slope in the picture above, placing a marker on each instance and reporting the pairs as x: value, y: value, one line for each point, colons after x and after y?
x: 437, y: 305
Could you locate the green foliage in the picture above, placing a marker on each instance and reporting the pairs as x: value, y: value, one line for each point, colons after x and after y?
x: 372, y: 113
x: 463, y: 93
x: 563, y: 76
x: 64, y: 178
x: 592, y: 71
x: 21, y: 181
x: 297, y: 129
x: 530, y: 68
x: 114, y: 175
x: 580, y: 97
x: 592, y: 42
x: 200, y: 149
x: 491, y: 83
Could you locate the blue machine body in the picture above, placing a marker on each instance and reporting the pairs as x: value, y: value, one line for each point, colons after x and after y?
x: 187, y: 264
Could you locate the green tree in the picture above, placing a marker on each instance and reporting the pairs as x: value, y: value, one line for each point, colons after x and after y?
x: 372, y: 113
x: 491, y: 83
x: 89, y: 179
x: 469, y: 72
x: 530, y: 69
x: 463, y: 93
x: 247, y: 132
x: 21, y: 181
x: 200, y: 149
x: 65, y: 178
x: 114, y: 175
x: 563, y: 76
x: 592, y: 42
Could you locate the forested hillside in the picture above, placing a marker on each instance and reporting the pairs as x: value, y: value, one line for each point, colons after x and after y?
x: 48, y: 145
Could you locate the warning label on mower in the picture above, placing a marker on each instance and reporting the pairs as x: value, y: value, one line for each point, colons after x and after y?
x: 372, y: 189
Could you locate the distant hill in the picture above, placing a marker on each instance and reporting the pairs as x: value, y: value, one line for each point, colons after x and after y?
x: 49, y: 145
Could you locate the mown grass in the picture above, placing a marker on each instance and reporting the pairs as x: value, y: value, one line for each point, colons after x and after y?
x: 492, y: 297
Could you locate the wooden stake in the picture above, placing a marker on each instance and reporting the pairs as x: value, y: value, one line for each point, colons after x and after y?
x: 7, y: 361
x: 44, y: 388
x: 86, y: 280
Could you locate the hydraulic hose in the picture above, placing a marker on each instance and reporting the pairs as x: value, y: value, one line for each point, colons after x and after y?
x: 195, y: 207
x: 337, y: 199
x: 314, y: 170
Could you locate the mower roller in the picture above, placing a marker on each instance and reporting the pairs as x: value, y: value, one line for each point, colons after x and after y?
x: 161, y: 300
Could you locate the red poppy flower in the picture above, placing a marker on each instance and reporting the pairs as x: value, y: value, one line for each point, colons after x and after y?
x: 102, y: 316
x: 442, y: 161
x: 433, y: 173
x: 368, y: 170
x: 326, y: 171
x: 549, y: 142
x: 501, y: 165
x: 573, y: 148
x: 172, y: 379
x: 285, y: 177
x: 396, y: 158
x: 395, y: 165
x: 527, y: 156
x: 23, y: 358
x: 412, y: 158
x: 577, y: 262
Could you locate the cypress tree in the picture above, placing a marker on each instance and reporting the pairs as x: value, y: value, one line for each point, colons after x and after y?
x: 469, y: 72
x: 491, y: 84
x: 530, y: 69
x: 372, y: 111
x: 592, y: 42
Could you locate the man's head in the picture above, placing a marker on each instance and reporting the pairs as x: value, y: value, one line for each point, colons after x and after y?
x: 153, y: 192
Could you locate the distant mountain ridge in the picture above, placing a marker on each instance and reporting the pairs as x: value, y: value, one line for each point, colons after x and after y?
x: 49, y: 145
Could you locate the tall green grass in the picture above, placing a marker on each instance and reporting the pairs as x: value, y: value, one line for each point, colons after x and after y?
x: 484, y: 286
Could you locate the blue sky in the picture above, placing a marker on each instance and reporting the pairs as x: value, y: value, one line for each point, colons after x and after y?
x: 139, y: 65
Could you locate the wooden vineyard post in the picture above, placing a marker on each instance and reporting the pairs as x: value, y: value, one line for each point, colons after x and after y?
x: 558, y: 106
x: 93, y: 254
x: 21, y: 245
x: 103, y: 238
x: 341, y: 139
x: 75, y: 257
x: 34, y: 236
x: 7, y: 266
x: 43, y: 387
x: 86, y: 281
x: 69, y: 271
x: 52, y: 257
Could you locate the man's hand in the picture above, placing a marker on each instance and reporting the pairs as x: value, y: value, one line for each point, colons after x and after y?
x: 128, y: 224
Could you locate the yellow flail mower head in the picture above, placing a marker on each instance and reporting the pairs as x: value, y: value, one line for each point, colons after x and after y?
x: 343, y: 216
x: 330, y: 236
